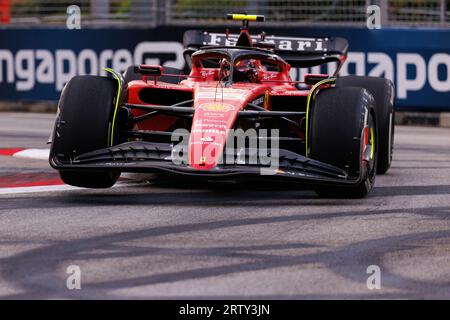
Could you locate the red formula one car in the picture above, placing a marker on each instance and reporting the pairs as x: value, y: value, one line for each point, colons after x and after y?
x: 237, y: 114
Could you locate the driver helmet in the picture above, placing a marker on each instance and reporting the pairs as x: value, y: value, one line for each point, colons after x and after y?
x: 245, y: 71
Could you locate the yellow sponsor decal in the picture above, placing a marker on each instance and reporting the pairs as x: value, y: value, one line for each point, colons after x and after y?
x: 218, y: 107
x: 116, y: 107
x: 266, y: 100
x: 311, y: 96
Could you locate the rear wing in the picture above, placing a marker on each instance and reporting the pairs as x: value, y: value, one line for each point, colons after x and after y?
x: 298, y: 52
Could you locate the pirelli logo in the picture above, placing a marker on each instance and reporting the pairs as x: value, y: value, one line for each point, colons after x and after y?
x: 281, y: 43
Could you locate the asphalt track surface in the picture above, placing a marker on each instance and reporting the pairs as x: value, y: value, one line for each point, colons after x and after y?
x: 152, y: 241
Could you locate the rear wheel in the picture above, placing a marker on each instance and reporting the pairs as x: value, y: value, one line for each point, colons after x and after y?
x: 344, y: 134
x: 83, y: 124
x: 383, y: 93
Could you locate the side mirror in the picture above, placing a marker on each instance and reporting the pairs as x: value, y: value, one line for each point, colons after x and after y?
x: 312, y: 79
x: 149, y: 70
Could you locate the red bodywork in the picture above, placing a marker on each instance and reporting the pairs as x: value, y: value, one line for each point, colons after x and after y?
x: 165, y: 122
x: 216, y: 107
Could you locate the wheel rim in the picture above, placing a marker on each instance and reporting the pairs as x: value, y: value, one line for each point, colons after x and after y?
x: 369, y: 148
x: 391, y: 135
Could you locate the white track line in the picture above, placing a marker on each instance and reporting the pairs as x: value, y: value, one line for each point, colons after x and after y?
x: 36, y: 189
x: 17, y: 190
x: 43, y: 154
x: 38, y: 154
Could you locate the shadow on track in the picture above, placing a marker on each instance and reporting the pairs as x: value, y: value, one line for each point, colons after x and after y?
x: 36, y: 271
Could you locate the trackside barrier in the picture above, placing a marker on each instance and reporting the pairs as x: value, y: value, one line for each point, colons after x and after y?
x: 35, y: 64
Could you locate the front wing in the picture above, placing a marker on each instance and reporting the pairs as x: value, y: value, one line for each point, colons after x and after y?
x: 151, y: 157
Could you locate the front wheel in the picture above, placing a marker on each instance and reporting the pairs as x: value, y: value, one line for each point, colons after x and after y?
x: 383, y: 94
x: 344, y: 134
x: 84, y: 124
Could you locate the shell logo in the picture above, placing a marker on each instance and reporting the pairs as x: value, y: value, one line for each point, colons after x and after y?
x: 218, y: 107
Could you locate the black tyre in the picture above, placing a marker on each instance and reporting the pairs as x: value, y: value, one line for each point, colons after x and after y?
x: 83, y: 124
x: 344, y: 134
x: 129, y: 75
x: 383, y: 93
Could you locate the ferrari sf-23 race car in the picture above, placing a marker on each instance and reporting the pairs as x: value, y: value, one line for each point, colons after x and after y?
x: 237, y: 114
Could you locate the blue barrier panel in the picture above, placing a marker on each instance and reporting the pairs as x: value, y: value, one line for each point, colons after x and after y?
x: 35, y: 63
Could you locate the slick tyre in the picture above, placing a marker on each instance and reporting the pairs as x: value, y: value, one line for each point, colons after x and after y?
x: 383, y: 93
x: 344, y: 134
x: 86, y: 109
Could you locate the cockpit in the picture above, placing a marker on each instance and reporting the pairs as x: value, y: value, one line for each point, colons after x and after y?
x: 237, y: 65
